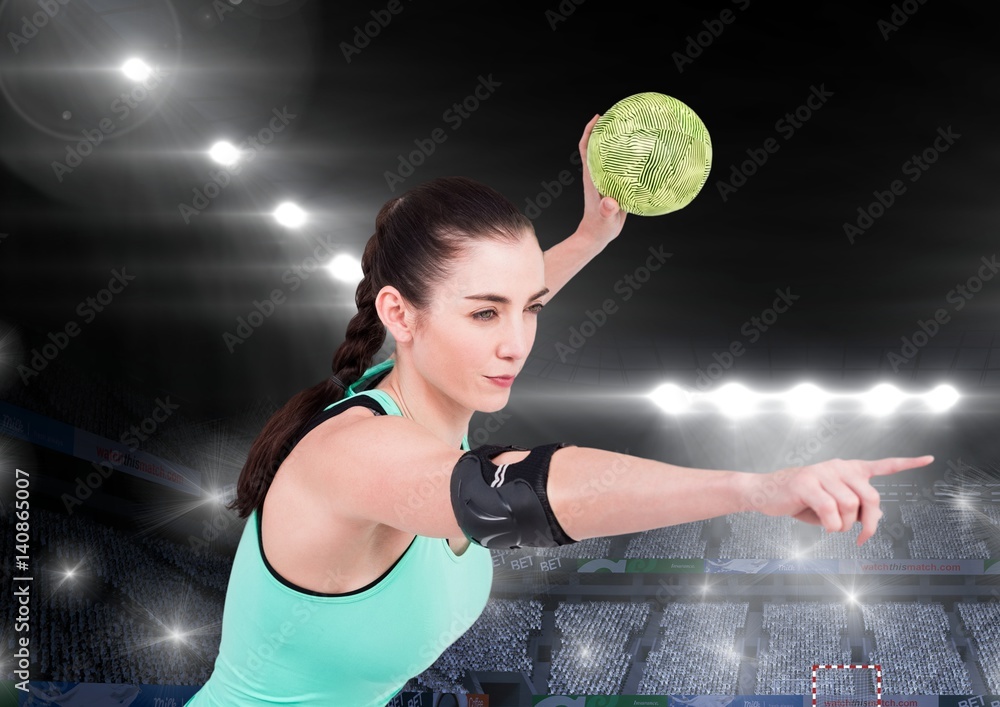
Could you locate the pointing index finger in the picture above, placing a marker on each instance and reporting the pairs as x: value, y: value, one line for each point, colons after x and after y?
x: 881, y: 467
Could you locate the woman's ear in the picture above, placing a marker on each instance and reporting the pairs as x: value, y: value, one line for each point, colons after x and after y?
x: 395, y: 313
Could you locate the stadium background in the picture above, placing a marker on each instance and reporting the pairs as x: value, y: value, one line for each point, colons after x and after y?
x: 151, y: 385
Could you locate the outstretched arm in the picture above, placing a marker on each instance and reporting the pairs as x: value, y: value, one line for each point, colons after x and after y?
x: 591, y: 492
x: 602, y: 222
x: 595, y: 493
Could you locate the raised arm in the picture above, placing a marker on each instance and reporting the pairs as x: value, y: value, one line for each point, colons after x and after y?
x: 601, y: 223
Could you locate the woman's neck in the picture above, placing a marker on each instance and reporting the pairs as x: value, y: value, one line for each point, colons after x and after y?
x: 424, y: 405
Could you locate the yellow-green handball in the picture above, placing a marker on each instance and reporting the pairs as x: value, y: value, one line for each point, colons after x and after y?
x: 651, y: 153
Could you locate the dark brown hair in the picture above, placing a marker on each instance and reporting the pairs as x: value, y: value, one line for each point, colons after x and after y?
x: 418, y: 238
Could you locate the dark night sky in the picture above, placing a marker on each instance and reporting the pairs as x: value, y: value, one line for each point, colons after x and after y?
x: 890, y: 92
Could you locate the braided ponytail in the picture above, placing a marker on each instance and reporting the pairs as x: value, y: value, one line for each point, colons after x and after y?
x: 365, y: 332
x: 417, y: 235
x: 365, y: 336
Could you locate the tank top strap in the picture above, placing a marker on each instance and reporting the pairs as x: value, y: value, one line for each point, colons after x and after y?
x: 363, y: 400
x: 367, y: 378
x: 390, y: 407
x: 378, y: 400
x: 383, y: 398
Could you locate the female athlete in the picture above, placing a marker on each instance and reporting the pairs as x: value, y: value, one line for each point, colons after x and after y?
x: 370, y: 519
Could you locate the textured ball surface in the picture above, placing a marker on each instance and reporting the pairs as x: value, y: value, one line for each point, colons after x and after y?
x: 651, y: 153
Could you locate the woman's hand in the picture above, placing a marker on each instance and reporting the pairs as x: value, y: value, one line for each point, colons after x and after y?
x: 602, y: 217
x: 834, y: 494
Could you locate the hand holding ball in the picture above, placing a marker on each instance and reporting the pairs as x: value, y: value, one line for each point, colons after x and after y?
x: 651, y: 153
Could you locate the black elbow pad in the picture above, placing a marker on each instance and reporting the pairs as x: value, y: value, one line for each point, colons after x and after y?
x: 506, y: 507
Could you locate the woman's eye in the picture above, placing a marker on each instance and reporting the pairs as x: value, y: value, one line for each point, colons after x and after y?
x: 534, y: 309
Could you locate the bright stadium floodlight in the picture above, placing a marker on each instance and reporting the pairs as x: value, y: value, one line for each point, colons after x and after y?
x: 883, y: 399
x: 346, y: 268
x: 941, y: 398
x: 735, y: 400
x: 806, y: 400
x: 671, y: 398
x: 289, y: 214
x: 224, y: 153
x: 136, y: 69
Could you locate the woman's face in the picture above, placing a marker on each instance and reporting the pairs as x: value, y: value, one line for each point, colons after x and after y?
x: 482, y: 322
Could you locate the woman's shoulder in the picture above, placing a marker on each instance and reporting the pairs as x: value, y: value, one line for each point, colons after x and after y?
x: 340, y: 419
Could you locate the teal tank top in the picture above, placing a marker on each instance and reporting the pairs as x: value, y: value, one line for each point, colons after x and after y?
x: 286, y: 645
